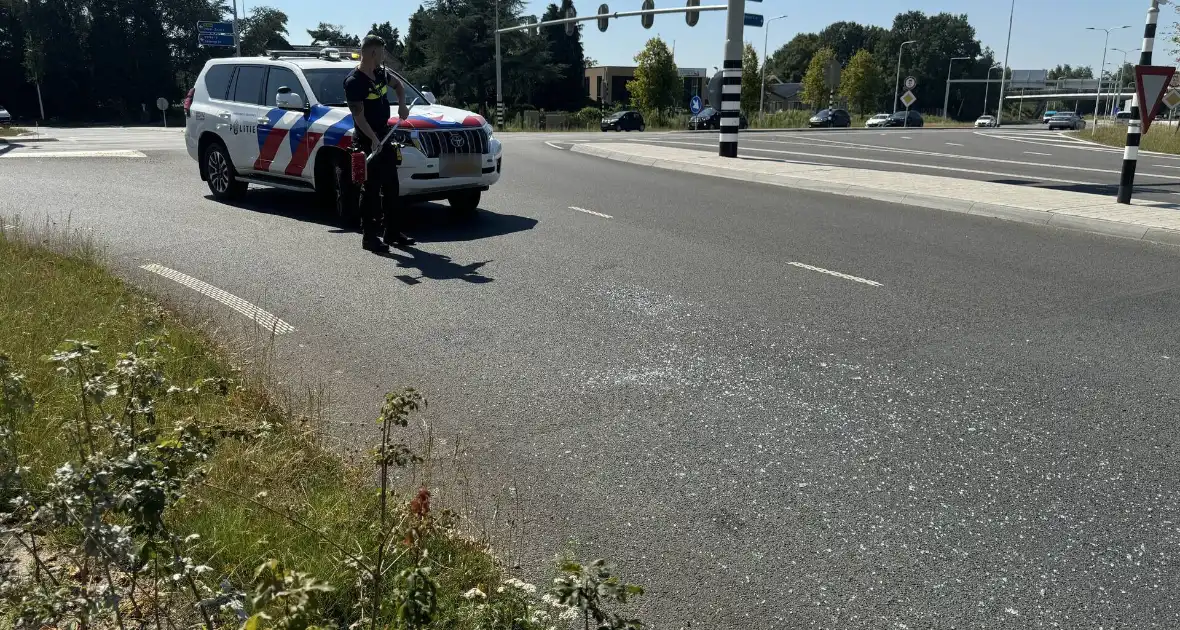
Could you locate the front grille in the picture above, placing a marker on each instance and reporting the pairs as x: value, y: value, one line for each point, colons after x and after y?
x: 447, y: 141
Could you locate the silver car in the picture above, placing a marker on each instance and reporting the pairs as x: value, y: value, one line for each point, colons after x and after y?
x: 1066, y: 120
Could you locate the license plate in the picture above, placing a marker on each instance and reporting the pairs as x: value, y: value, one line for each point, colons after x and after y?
x: 463, y: 165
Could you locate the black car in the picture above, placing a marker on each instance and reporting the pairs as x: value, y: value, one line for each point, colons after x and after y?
x: 898, y: 119
x: 837, y: 118
x: 624, y: 121
x: 710, y: 118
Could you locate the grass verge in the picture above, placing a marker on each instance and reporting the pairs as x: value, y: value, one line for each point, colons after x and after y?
x: 1161, y: 138
x: 10, y: 132
x: 152, y: 484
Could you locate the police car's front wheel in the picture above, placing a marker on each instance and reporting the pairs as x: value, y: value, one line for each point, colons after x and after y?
x: 346, y: 196
x: 219, y: 172
x: 464, y: 203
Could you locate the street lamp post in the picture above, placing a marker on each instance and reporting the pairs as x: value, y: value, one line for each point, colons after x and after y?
x: 1004, y: 70
x: 1105, y: 45
x: 765, y: 58
x: 988, y: 86
x: 897, y: 83
x: 946, y: 100
x: 1119, y: 88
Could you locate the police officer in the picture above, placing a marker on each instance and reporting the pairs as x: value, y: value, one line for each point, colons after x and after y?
x: 366, y: 89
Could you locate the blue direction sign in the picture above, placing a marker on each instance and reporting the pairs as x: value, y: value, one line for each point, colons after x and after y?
x: 215, y: 34
x: 695, y: 105
x: 753, y: 19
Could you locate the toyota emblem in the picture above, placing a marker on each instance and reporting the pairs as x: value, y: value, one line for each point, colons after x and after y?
x: 457, y: 140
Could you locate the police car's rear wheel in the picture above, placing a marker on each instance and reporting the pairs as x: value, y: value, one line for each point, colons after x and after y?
x: 219, y: 171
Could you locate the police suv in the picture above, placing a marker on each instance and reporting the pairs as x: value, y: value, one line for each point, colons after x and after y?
x: 281, y: 120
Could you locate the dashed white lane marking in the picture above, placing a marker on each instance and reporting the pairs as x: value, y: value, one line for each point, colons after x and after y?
x: 264, y: 319
x: 597, y: 214
x: 837, y: 274
x: 122, y: 153
x: 1038, y: 153
x: 1163, y: 166
x: 905, y: 137
x: 953, y: 144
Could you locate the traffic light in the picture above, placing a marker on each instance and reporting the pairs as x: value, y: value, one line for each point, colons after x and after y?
x: 648, y: 19
x: 571, y: 27
x: 692, y: 16
x: 603, y: 22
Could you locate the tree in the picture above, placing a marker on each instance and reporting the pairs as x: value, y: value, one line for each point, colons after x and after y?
x: 393, y: 40
x: 656, y: 85
x: 1069, y: 72
x: 815, y: 87
x: 265, y: 29
x: 413, y: 53
x: 751, y: 81
x: 332, y: 35
x: 861, y: 81
x: 789, y: 63
x: 566, y: 91
x: 938, y: 38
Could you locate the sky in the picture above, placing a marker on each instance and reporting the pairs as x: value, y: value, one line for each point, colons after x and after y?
x: 1044, y: 33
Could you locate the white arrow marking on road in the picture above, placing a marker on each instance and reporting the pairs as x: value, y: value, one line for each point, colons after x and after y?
x: 597, y: 214
x: 837, y: 274
x: 264, y: 319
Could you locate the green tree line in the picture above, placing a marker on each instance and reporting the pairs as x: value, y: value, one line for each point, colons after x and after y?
x: 109, y: 60
x: 869, y: 57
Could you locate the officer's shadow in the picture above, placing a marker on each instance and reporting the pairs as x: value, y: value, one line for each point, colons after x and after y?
x: 436, y: 267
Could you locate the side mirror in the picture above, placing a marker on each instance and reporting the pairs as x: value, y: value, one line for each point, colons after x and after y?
x: 286, y: 99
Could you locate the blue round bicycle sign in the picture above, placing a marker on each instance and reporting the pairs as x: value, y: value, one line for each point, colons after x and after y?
x: 695, y: 105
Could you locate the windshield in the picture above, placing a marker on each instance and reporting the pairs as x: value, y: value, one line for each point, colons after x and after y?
x: 617, y: 115
x: 706, y: 112
x: 328, y: 86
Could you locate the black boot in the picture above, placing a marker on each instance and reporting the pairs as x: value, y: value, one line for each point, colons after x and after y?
x: 372, y: 244
x: 393, y: 238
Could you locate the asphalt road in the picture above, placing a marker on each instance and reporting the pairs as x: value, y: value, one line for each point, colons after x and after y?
x: 982, y: 435
x: 1023, y: 156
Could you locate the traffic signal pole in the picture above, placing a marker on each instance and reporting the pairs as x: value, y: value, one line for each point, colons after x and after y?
x: 604, y: 16
x: 1135, y: 126
x: 731, y: 78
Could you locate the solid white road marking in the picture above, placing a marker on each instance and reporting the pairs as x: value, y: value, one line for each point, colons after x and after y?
x: 837, y: 274
x: 123, y: 153
x: 894, y: 163
x: 597, y: 214
x: 264, y: 319
x: 1038, y: 153
x: 554, y: 146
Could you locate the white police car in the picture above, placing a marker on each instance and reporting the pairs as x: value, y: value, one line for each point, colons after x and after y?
x: 282, y: 120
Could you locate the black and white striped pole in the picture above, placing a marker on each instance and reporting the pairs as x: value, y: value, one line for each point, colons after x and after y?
x: 731, y: 78
x: 1135, y: 126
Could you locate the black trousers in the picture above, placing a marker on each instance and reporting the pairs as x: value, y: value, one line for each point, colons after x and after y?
x: 380, y: 203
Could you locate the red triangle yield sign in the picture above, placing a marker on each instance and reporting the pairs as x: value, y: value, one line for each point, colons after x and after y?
x: 1151, y: 82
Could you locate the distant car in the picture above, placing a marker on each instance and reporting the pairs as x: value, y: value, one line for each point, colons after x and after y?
x: 837, y: 118
x: 986, y: 121
x: 624, y: 121
x: 905, y: 119
x: 710, y: 118
x: 1066, y: 120
x: 1045, y: 118
x: 5, y: 117
x: 878, y: 120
